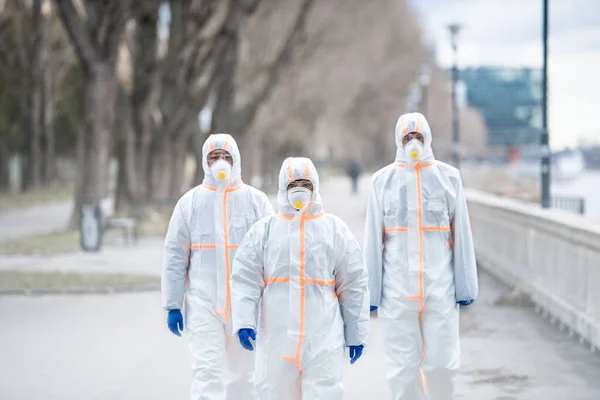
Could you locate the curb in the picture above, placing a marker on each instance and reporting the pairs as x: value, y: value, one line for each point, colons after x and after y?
x: 150, y: 287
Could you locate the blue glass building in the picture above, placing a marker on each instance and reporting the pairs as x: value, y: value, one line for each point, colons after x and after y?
x: 510, y: 100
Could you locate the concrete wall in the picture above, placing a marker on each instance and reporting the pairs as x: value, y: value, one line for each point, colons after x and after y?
x: 553, y: 256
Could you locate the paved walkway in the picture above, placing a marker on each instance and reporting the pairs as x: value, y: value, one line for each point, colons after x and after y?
x: 143, y: 258
x: 39, y: 219
x: 115, y: 347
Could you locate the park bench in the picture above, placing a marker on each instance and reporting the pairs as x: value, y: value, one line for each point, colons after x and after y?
x: 128, y: 225
x: 97, y: 219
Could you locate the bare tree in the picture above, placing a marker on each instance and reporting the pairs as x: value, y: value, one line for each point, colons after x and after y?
x: 34, y: 57
x: 237, y: 105
x: 35, y: 98
x: 137, y: 103
x: 20, y: 49
x: 346, y: 84
x: 198, y: 38
x: 173, y: 77
x: 172, y: 81
x: 58, y: 59
x: 234, y: 117
x: 96, y: 32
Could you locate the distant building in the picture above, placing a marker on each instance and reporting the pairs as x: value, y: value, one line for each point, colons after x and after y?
x: 592, y: 156
x: 509, y: 100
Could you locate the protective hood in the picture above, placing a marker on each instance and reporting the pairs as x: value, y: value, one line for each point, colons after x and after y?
x: 225, y: 142
x: 291, y: 170
x: 413, y: 122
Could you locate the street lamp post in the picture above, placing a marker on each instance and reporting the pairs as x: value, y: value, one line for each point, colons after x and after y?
x: 424, y: 81
x: 454, y: 29
x: 545, y: 136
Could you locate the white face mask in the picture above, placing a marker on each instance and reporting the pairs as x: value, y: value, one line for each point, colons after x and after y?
x: 414, y: 150
x: 221, y: 170
x: 299, y: 197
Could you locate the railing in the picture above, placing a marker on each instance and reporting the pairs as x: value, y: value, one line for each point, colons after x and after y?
x: 572, y: 204
x: 549, y: 255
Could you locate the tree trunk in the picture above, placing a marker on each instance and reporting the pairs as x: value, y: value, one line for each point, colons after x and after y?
x: 168, y: 167
x: 198, y: 142
x: 50, y: 155
x: 127, y: 186
x: 100, y: 101
x: 94, y: 142
x: 178, y: 161
x: 126, y: 183
x: 271, y: 156
x: 49, y: 167
x: 160, y: 167
x: 143, y: 135
x: 79, y: 179
x: 246, y: 151
x: 223, y: 118
x: 4, y: 162
x: 96, y: 40
x: 145, y: 96
x: 265, y: 170
x: 34, y: 151
x: 34, y: 101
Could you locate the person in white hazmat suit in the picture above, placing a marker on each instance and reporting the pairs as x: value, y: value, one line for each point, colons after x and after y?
x: 300, y: 289
x: 419, y: 252
x: 207, y: 225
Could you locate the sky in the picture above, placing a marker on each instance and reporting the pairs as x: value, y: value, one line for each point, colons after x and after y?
x: 509, y: 33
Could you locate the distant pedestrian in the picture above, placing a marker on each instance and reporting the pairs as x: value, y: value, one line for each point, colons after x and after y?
x: 353, y: 171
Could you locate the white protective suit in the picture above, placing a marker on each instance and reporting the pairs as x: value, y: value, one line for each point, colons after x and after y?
x: 299, y: 281
x: 207, y: 225
x: 419, y: 252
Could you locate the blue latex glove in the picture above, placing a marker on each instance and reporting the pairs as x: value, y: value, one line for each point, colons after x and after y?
x: 373, y: 308
x: 244, y: 335
x: 175, y: 321
x: 355, y: 353
x: 465, y: 303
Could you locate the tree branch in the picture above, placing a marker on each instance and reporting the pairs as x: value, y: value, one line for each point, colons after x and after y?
x: 249, y: 6
x: 144, y: 54
x: 111, y: 29
x: 214, y: 24
x: 140, y: 7
x: 79, y: 34
x: 191, y: 103
x: 193, y: 32
x: 21, y: 31
x: 196, y: 53
x: 169, y: 63
x: 275, y: 70
x: 6, y: 50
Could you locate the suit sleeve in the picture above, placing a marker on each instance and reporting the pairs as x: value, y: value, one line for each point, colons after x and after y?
x: 373, y: 247
x: 176, y: 256
x: 465, y: 266
x: 352, y: 288
x: 247, y: 279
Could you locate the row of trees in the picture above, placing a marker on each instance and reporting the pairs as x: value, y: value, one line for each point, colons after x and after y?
x: 35, y: 61
x: 134, y: 75
x: 126, y: 79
